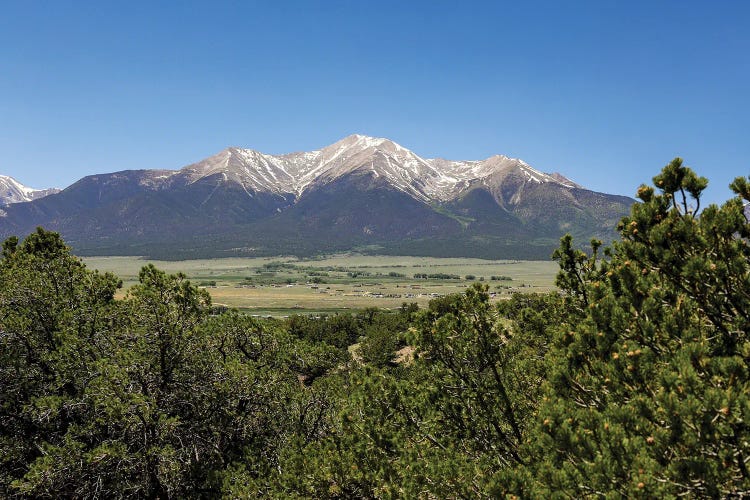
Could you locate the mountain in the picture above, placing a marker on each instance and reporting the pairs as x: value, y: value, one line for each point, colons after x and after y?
x: 361, y: 192
x: 12, y: 191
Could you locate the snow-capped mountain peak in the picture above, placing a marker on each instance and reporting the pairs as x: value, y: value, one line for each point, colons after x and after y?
x: 359, y: 191
x: 12, y: 191
x: 384, y: 160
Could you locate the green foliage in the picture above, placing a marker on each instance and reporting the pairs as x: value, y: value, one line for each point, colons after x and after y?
x: 471, y: 359
x: 458, y: 412
x: 648, y: 389
x: 501, y: 278
x: 54, y: 319
x: 339, y: 330
x: 634, y: 381
x: 436, y: 276
x: 150, y: 396
x: 358, y: 274
x: 384, y: 334
x: 278, y: 266
x: 379, y: 346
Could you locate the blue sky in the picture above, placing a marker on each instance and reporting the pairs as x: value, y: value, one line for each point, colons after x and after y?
x: 606, y: 92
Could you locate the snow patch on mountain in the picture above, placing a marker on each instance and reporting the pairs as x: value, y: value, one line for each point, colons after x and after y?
x: 427, y: 180
x: 564, y: 180
x: 12, y: 191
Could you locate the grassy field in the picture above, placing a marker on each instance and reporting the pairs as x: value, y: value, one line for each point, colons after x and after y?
x: 285, y: 285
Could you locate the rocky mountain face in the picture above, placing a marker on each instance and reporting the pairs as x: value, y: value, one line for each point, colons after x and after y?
x: 12, y: 191
x: 360, y: 193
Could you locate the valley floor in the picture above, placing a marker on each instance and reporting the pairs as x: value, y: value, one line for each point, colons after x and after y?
x: 281, y: 286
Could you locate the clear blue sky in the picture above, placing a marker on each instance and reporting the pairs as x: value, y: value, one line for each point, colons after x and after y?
x: 604, y: 91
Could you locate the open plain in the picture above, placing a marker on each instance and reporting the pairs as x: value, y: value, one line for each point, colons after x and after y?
x: 286, y: 285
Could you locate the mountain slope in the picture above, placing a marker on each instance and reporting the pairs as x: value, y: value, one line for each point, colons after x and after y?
x: 12, y: 191
x: 360, y: 192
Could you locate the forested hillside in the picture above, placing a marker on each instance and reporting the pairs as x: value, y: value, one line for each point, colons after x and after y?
x: 632, y: 381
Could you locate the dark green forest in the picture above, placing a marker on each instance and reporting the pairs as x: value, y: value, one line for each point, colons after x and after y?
x: 632, y: 381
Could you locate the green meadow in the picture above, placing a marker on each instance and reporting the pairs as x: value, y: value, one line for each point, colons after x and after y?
x: 281, y: 286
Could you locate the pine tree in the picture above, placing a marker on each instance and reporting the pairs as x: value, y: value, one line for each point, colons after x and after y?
x: 55, y: 317
x: 649, y: 389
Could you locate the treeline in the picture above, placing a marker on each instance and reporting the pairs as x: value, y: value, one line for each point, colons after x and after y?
x: 631, y: 382
x: 437, y: 276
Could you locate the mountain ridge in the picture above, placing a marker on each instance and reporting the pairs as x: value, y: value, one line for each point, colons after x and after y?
x: 358, y: 191
x: 12, y: 191
x: 293, y: 173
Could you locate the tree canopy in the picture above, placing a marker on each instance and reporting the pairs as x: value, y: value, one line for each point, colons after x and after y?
x: 631, y: 381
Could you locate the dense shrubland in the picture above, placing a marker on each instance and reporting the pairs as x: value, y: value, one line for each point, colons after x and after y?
x: 631, y: 382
